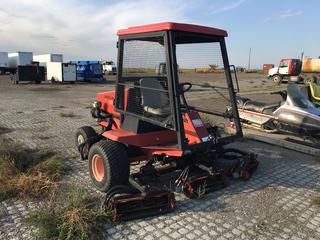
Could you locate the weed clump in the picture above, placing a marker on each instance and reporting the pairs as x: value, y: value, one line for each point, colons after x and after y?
x: 315, y: 200
x: 28, y: 173
x: 74, y: 214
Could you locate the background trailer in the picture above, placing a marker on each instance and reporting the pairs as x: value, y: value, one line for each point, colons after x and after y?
x: 43, y: 59
x: 20, y: 59
x: 61, y: 72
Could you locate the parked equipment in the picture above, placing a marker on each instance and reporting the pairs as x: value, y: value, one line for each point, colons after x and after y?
x: 89, y: 71
x: 43, y: 59
x: 149, y: 119
x: 20, y: 59
x: 266, y: 67
x: 61, y: 72
x: 295, y: 114
x: 109, y: 67
x: 4, y: 64
x: 28, y: 73
x: 306, y: 70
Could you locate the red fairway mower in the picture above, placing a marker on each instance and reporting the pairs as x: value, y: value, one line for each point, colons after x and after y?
x: 150, y: 119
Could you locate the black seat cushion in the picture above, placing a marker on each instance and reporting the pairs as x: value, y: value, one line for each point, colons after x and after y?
x: 255, y: 106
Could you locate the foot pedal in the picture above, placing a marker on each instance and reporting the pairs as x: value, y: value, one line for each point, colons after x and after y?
x: 126, y: 205
x: 197, y: 186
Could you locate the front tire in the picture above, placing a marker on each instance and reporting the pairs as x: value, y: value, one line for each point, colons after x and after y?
x: 108, y: 165
x: 82, y: 135
x: 277, y: 79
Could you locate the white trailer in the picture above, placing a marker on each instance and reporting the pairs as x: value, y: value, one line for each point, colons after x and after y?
x: 61, y: 72
x: 43, y: 59
x: 20, y: 59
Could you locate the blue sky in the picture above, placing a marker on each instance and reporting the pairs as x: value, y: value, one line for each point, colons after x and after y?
x: 81, y: 29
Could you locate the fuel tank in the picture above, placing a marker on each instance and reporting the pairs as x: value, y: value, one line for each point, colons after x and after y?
x: 311, y: 65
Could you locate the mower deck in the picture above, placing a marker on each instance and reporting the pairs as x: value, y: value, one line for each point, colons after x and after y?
x: 143, y: 197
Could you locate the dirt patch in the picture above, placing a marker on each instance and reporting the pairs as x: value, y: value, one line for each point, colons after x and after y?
x: 67, y: 114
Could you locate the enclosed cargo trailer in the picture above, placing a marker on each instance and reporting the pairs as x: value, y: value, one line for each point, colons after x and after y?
x: 43, y: 59
x: 28, y: 73
x: 61, y: 72
x: 20, y: 59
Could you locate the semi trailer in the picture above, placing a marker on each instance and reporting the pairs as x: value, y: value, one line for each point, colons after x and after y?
x: 290, y: 69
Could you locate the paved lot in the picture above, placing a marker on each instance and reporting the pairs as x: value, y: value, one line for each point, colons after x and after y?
x: 274, y: 204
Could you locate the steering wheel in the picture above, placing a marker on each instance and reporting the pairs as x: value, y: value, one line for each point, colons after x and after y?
x: 283, y: 94
x: 185, y: 87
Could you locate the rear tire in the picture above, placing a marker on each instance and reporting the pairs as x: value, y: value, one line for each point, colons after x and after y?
x: 108, y: 165
x: 277, y: 79
x: 82, y: 135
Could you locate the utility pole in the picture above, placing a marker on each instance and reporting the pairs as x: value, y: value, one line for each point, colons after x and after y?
x: 249, y: 59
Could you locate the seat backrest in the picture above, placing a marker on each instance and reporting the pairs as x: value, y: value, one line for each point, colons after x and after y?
x: 150, y: 96
x: 315, y: 91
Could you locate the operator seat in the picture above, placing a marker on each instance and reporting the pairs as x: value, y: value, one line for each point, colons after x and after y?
x: 255, y: 106
x: 154, y: 101
x: 315, y: 93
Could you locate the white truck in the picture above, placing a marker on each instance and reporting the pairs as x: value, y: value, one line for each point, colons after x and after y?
x: 109, y: 67
x: 43, y: 59
x: 61, y: 72
x: 306, y: 70
x: 20, y: 59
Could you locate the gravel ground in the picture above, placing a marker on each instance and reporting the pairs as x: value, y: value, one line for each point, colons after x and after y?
x: 274, y: 204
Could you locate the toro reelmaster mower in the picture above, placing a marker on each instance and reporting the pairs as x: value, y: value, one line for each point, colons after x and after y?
x: 164, y: 117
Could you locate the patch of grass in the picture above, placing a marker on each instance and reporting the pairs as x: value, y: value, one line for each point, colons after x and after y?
x: 201, y: 191
x: 52, y: 166
x: 35, y: 185
x: 4, y: 130
x: 28, y: 173
x: 75, y: 214
x: 67, y: 114
x: 315, y: 200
